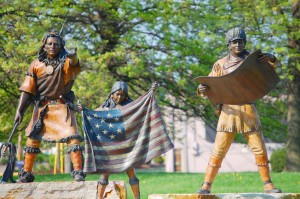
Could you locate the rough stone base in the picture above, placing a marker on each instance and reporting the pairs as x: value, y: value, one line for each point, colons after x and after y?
x: 61, y: 190
x: 227, y: 196
x: 115, y: 190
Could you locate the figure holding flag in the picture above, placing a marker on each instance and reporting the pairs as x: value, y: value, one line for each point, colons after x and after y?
x: 123, y: 134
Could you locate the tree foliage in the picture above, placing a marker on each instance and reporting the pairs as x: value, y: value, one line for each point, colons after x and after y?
x: 170, y: 42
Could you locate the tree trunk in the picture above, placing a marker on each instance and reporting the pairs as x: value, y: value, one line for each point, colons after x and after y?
x: 293, y: 138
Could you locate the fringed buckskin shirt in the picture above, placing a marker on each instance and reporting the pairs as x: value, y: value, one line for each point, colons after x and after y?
x: 235, y: 118
x: 59, y: 122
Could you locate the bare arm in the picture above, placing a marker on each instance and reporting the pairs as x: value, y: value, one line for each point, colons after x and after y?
x: 24, y: 102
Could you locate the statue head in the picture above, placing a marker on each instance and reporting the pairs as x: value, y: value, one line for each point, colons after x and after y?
x: 118, y: 95
x: 119, y: 85
x: 235, y: 34
x: 58, y: 43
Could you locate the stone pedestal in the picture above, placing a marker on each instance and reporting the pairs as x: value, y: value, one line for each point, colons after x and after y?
x: 115, y: 190
x: 61, y: 190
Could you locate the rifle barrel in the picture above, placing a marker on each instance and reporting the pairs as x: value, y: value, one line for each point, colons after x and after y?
x: 13, y: 131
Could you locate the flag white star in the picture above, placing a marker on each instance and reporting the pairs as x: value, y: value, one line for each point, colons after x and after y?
x: 117, y: 119
x: 99, y: 137
x: 89, y: 118
x: 110, y: 125
x: 119, y: 130
x: 104, y: 132
x: 108, y: 115
x: 97, y: 125
x: 112, y: 136
x: 102, y: 120
x: 95, y: 115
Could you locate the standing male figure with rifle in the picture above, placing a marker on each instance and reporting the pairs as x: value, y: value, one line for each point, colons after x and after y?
x: 48, y: 85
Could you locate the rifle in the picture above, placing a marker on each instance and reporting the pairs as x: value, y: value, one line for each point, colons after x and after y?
x: 10, y: 167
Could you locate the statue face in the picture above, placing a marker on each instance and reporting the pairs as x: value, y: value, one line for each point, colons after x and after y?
x: 52, y: 47
x: 236, y: 47
x: 118, y: 96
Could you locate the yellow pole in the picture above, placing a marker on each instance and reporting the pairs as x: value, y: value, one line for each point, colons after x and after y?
x: 61, y: 158
x: 19, y: 151
x: 56, y: 158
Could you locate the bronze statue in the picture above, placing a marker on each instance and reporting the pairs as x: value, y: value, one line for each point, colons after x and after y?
x: 237, y: 118
x: 48, y: 85
x: 117, y: 98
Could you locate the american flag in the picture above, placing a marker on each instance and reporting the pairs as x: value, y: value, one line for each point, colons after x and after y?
x: 119, y: 139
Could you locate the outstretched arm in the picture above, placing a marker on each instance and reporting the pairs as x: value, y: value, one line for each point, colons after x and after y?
x: 73, y: 57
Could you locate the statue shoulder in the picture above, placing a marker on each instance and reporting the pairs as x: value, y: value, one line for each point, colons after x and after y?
x: 35, y: 65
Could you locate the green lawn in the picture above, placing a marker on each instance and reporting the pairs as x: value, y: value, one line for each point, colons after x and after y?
x: 178, y: 183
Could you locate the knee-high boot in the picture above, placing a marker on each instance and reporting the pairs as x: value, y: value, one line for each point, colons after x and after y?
x: 77, y: 161
x: 211, y: 172
x: 29, y: 161
x: 264, y: 171
x: 25, y: 174
x: 134, y: 184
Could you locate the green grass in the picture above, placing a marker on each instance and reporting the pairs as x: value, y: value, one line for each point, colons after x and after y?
x: 178, y: 183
